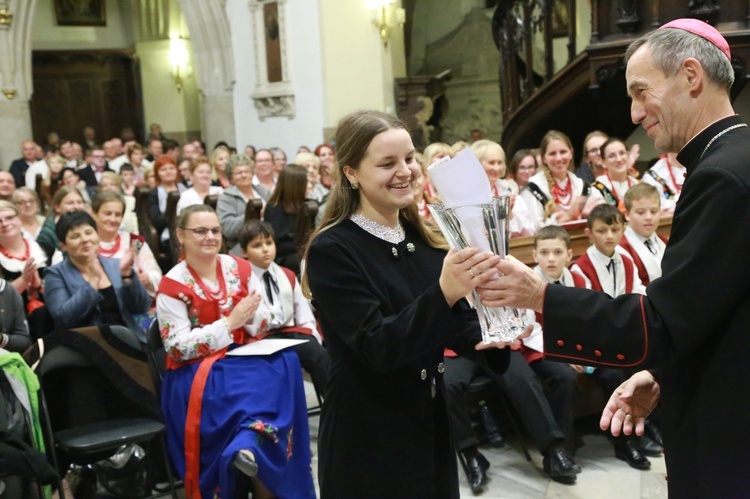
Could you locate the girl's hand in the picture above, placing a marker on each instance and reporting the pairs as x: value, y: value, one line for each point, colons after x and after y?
x: 464, y: 270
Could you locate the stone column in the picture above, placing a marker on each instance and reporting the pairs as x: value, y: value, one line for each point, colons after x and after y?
x: 15, y: 77
x: 213, y: 54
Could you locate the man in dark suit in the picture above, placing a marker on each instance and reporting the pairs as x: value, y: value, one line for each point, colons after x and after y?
x: 91, y: 172
x: 693, y: 323
x: 19, y: 166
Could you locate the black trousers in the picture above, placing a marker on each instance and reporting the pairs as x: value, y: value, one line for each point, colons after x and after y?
x: 312, y: 356
x: 545, y: 416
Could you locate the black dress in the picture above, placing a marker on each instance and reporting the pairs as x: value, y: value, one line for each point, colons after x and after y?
x: 285, y: 226
x: 384, y: 430
x: 694, y: 322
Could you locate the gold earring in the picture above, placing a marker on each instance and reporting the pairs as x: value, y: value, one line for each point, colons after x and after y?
x: 355, y: 184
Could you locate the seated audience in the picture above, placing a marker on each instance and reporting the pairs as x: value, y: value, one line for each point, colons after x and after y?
x: 52, y: 179
x: 327, y: 155
x: 111, y: 182
x: 667, y: 175
x: 643, y: 244
x: 149, y: 178
x: 592, y: 160
x: 606, y: 267
x: 233, y: 201
x: 279, y: 160
x: 14, y: 330
x: 29, y: 208
x: 69, y: 177
x: 522, y: 167
x: 285, y: 213
x: 315, y: 190
x: 165, y: 174
x: 20, y: 166
x: 40, y: 167
x: 21, y: 259
x: 219, y: 158
x: 250, y: 406
x: 7, y: 185
x: 492, y: 158
x: 127, y: 180
x: 200, y: 173
x: 250, y: 152
x: 432, y: 153
x: 555, y: 195
x: 264, y: 172
x: 291, y: 313
x: 65, y: 199
x: 107, y: 210
x: 611, y: 187
x: 86, y: 289
x: 137, y: 159
x: 183, y: 168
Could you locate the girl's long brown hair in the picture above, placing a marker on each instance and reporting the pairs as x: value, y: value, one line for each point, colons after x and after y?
x: 353, y: 136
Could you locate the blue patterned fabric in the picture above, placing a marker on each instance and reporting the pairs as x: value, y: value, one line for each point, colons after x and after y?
x: 255, y: 403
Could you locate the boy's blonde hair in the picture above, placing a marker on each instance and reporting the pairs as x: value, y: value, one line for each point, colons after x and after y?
x: 640, y: 191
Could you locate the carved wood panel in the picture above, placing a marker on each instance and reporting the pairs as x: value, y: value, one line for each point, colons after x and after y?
x: 77, y: 89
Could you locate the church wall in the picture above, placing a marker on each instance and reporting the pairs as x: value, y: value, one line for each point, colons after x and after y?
x: 305, y: 71
x: 357, y: 69
x: 117, y: 34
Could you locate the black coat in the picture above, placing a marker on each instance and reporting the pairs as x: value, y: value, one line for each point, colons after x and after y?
x: 694, y: 322
x: 18, y: 169
x: 386, y: 322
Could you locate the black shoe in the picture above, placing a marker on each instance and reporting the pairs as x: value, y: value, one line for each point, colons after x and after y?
x: 628, y: 452
x: 653, y: 432
x: 245, y: 464
x: 477, y: 466
x: 560, y: 466
x: 648, y: 447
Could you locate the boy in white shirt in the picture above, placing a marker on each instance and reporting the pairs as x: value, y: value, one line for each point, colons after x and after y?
x: 291, y: 314
x: 606, y: 267
x: 643, y: 244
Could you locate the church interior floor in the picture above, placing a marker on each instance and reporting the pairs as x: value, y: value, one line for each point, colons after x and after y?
x: 511, y: 476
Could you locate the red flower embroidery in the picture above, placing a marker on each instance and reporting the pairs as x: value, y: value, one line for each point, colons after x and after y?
x: 176, y: 354
x: 203, y: 349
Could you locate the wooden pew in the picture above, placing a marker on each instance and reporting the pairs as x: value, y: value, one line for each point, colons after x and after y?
x: 521, y: 247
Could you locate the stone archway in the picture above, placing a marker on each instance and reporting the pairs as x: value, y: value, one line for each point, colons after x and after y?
x: 15, y: 77
x: 209, y: 28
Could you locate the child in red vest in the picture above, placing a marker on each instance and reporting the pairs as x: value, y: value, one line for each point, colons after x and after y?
x: 644, y: 246
x: 606, y: 267
x: 291, y: 313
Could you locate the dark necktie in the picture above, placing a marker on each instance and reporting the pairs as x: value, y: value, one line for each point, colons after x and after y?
x: 556, y: 282
x: 651, y: 245
x: 270, y: 283
x: 612, y: 267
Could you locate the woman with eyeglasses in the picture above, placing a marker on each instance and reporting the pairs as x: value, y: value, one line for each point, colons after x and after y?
x: 22, y: 260
x: 591, y: 163
x: 87, y: 289
x: 200, y: 172
x: 611, y: 186
x: 248, y: 413
x: 108, y: 209
x: 28, y: 204
x: 522, y: 167
x: 232, y: 202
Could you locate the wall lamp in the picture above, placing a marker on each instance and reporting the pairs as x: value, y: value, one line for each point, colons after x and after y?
x: 178, y: 59
x: 385, y: 15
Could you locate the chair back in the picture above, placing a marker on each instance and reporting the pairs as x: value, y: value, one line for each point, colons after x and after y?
x: 171, y: 215
x: 211, y: 200
x: 157, y: 353
x: 253, y: 209
x: 145, y: 228
x: 40, y: 323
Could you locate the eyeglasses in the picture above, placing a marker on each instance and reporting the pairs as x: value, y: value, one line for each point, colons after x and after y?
x: 595, y: 152
x: 203, y: 231
x: 26, y: 202
x: 526, y: 167
x: 238, y: 173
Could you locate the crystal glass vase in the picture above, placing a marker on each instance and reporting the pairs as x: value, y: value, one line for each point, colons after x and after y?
x: 484, y: 226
